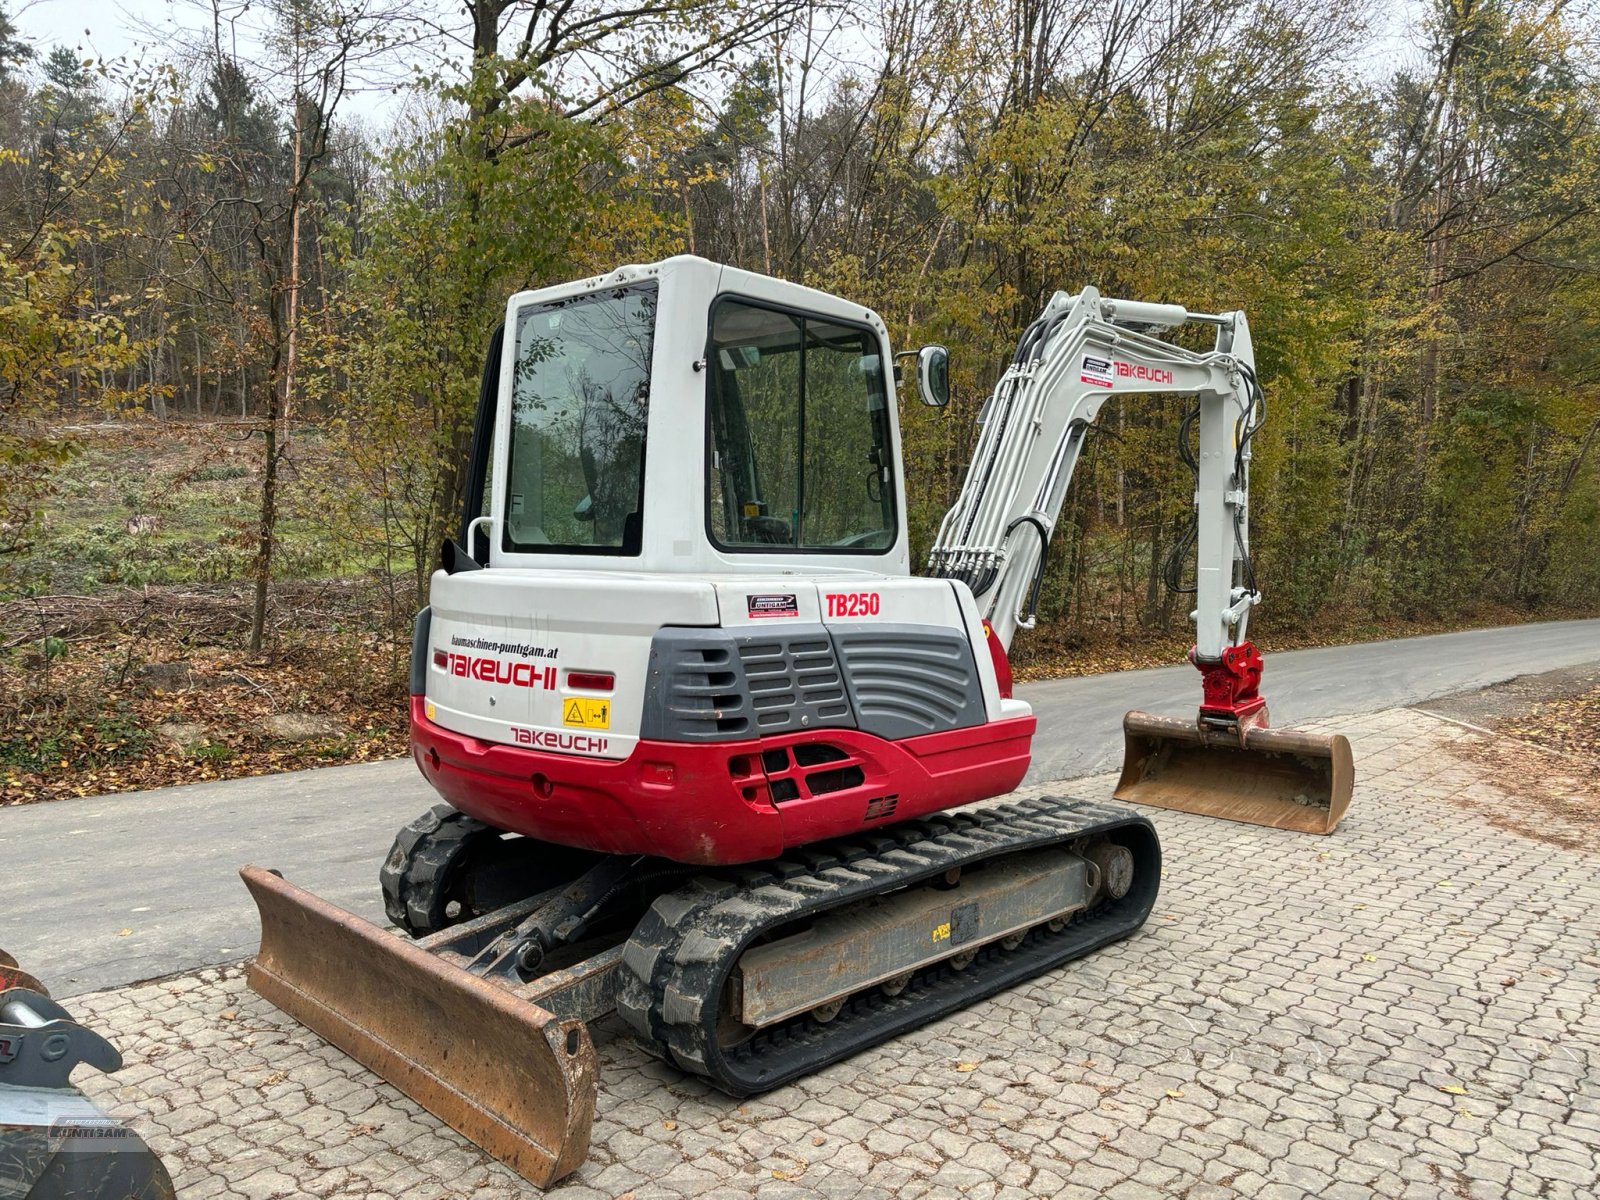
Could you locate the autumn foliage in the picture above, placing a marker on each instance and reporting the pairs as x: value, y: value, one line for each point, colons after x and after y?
x: 219, y: 241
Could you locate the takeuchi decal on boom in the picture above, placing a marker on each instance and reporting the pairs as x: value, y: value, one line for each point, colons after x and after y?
x: 1141, y: 372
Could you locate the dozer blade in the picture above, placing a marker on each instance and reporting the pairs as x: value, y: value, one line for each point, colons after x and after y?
x: 509, y: 1075
x: 1283, y: 778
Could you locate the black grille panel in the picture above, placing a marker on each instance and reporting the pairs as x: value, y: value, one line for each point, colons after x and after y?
x: 894, y: 681
x: 794, y: 680
x: 710, y: 685
x: 907, y: 680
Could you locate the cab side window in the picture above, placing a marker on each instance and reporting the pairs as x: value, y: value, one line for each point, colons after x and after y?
x: 800, y: 454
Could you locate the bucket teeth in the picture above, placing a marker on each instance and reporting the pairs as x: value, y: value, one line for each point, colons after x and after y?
x: 1282, y: 778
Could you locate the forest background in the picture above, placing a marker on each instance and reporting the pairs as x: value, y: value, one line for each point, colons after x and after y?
x: 242, y: 319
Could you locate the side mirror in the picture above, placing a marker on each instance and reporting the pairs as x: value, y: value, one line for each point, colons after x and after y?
x: 933, y: 376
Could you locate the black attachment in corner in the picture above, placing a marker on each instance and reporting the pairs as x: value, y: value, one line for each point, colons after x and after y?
x: 419, y: 651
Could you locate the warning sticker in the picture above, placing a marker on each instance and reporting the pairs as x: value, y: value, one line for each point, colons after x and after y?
x: 583, y: 713
x: 1097, y: 372
x: 785, y: 605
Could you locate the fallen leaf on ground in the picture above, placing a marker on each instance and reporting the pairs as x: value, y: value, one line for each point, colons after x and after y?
x: 1175, y: 1093
x: 1455, y: 1089
x: 964, y: 1067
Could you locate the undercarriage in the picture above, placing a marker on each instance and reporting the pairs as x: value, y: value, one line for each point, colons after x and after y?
x: 747, y: 976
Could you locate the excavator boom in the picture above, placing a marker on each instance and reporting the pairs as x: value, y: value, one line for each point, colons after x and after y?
x: 1083, y: 350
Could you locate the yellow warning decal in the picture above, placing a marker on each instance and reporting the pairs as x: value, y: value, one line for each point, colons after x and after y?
x: 586, y: 714
x: 941, y: 933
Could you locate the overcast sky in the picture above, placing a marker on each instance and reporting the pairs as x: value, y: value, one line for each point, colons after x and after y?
x: 141, y: 29
x: 104, y: 28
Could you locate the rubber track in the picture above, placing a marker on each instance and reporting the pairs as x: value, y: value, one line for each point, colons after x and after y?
x: 419, y: 865
x: 683, y: 950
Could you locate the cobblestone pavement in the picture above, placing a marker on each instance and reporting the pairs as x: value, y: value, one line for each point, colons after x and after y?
x: 1408, y: 1008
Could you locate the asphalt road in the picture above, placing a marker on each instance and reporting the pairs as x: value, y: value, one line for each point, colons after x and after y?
x: 103, y: 891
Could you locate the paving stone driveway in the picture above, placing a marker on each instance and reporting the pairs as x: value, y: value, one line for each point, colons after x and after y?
x: 1408, y: 1008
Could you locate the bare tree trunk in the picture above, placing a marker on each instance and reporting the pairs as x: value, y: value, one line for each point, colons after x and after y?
x: 158, y: 402
x: 766, y: 238
x: 296, y: 206
x: 199, y: 368
x: 688, y: 217
x: 1122, y: 474
x: 265, y: 530
x: 280, y: 403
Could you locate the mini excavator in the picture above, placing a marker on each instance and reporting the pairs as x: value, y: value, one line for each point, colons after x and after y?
x: 699, y: 729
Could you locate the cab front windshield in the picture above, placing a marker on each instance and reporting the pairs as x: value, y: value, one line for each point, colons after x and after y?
x: 580, y: 395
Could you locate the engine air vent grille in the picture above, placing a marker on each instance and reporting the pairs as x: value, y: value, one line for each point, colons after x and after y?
x: 794, y: 681
x: 880, y: 807
x: 908, y: 680
x: 696, y: 689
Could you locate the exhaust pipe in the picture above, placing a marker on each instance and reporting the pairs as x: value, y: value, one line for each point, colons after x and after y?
x: 1281, y: 778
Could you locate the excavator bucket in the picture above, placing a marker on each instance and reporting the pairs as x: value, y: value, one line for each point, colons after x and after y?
x: 509, y: 1075
x: 53, y: 1140
x: 1283, y: 778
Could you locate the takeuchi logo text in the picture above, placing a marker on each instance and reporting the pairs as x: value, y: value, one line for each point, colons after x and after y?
x: 567, y: 743
x: 493, y: 670
x: 1142, y: 372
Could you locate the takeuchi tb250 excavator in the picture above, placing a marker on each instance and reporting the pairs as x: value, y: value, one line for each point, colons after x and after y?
x: 698, y: 725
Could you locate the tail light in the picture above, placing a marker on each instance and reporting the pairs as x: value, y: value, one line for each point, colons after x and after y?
x: 591, y: 681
